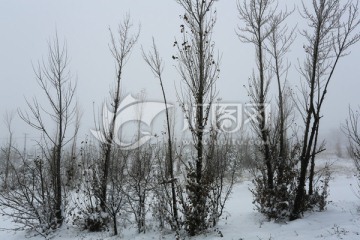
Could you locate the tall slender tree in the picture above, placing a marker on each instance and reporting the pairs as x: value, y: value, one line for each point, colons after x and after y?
x: 8, y: 149
x: 265, y: 28
x: 55, y: 80
x: 155, y: 62
x: 199, y: 70
x: 120, y: 47
x: 332, y: 28
x: 257, y: 16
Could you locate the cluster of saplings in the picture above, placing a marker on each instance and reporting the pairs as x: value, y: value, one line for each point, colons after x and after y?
x: 100, y: 185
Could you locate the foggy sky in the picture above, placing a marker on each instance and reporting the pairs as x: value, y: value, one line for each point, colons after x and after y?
x: 26, y: 27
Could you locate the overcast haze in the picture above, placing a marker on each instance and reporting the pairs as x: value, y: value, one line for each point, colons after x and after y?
x: 26, y: 26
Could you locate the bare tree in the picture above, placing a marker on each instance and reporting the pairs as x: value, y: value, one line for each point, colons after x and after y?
x: 70, y: 169
x: 266, y: 29
x: 116, y: 203
x: 332, y: 25
x: 199, y: 69
x: 220, y: 171
x: 162, y: 204
x: 352, y: 131
x: 55, y: 80
x: 140, y: 172
x: 8, y: 149
x: 140, y: 183
x: 120, y: 48
x: 85, y: 211
x: 30, y: 203
x: 155, y: 62
x: 280, y: 41
x: 257, y: 16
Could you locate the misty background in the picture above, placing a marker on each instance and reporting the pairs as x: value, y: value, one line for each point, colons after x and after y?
x: 27, y: 26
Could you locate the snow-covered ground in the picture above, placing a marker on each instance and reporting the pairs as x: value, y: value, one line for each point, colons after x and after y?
x: 341, y: 220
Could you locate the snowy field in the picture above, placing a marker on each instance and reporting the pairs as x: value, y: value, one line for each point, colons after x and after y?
x: 341, y: 220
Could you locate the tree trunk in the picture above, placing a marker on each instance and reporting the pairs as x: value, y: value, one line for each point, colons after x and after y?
x: 312, y: 165
x: 301, y: 192
x: 262, y: 123
x: 115, y: 225
x: 103, y: 194
x: 58, y: 149
x: 58, y: 193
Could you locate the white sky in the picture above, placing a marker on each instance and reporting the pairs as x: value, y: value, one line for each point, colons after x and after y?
x: 26, y: 26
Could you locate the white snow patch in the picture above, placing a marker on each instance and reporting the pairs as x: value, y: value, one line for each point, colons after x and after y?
x: 341, y: 220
